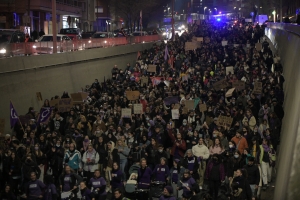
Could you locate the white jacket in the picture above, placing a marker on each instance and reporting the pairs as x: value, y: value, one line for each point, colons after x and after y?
x: 94, y: 156
x: 200, y: 150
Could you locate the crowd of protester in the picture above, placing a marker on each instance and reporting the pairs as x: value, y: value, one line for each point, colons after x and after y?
x: 91, y: 152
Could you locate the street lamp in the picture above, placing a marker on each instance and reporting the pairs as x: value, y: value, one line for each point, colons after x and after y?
x: 274, y: 15
x: 204, y: 10
x: 168, y: 10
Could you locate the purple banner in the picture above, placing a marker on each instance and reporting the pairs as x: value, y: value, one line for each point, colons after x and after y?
x: 44, y: 114
x: 171, y: 100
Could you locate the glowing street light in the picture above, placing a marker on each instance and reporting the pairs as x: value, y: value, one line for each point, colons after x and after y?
x: 204, y: 9
x: 274, y: 15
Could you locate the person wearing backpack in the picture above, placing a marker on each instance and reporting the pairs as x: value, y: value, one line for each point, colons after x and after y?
x: 90, y: 159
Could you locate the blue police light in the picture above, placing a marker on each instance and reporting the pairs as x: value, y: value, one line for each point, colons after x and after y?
x: 218, y: 19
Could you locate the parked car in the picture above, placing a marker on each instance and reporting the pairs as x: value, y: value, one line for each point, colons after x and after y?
x: 139, y: 33
x: 103, y: 35
x: 87, y: 35
x: 73, y: 33
x: 45, y: 44
x: 11, y: 42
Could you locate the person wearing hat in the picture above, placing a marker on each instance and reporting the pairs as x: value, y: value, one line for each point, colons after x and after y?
x: 240, y: 141
x: 253, y: 175
x: 167, y: 194
x: 175, y: 173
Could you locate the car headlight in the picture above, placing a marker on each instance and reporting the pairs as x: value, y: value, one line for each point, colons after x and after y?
x: 164, y: 33
x: 182, y: 26
x: 34, y: 46
x: 90, y: 41
x: 3, y: 51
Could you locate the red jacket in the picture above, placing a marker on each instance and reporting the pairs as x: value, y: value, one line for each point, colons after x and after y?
x: 181, y: 147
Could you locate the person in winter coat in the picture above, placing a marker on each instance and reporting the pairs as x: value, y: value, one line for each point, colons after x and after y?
x: 110, y: 157
x: 50, y: 190
x: 161, y: 171
x: 179, y: 145
x: 160, y: 153
x: 150, y: 152
x: 86, y: 192
x: 14, y: 171
x: 98, y: 185
x: 116, y: 177
x: 123, y: 152
x: 191, y: 163
x: 241, y: 178
x: 90, y: 161
x: 253, y: 175
x: 7, y: 194
x: 187, y: 183
x: 215, y: 174
x: 240, y: 142
x: 28, y: 167
x: 55, y: 157
x: 144, y: 175
x: 69, y: 181
x: 167, y: 194
x: 72, y: 158
x: 34, y: 188
x: 249, y: 120
x: 176, y: 173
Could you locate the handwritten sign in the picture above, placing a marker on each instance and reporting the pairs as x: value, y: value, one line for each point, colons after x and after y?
x: 202, y: 107
x: 2, y: 126
x: 138, y: 108
x: 229, y: 69
x: 238, y: 85
x: 189, y: 104
x: 175, y: 113
x: 39, y: 96
x: 190, y: 46
x: 152, y: 68
x: 229, y: 92
x: 258, y: 46
x: 54, y: 102
x: 132, y: 95
x: 257, y: 88
x: 79, y: 97
x: 224, y: 43
x: 144, y: 80
x: 199, y: 39
x: 126, y: 112
x: 65, y: 105
x: 220, y: 85
x: 224, y: 121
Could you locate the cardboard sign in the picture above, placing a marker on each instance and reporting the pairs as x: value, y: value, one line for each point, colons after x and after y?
x: 126, y: 112
x: 144, y: 80
x: 189, y: 104
x: 199, y: 39
x: 224, y: 121
x: 229, y: 92
x: 65, y: 105
x: 238, y: 85
x: 209, y: 120
x: 185, y: 110
x: 190, y: 46
x: 2, y: 126
x: 224, y: 43
x: 175, y: 113
x: 258, y: 46
x: 220, y: 85
x: 257, y: 88
x: 138, y: 108
x: 39, y: 96
x: 54, y: 102
x: 79, y: 97
x: 152, y: 68
x: 229, y: 69
x: 132, y: 95
x: 202, y: 107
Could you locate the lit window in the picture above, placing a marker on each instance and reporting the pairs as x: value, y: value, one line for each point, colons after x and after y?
x: 98, y: 9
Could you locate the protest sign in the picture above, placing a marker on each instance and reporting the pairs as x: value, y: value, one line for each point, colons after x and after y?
x: 238, y: 85
x: 54, y: 102
x: 152, y: 68
x: 2, y: 126
x: 175, y: 113
x: 144, y: 80
x: 79, y: 97
x: 138, y: 108
x: 258, y: 46
x: 224, y: 121
x: 65, y: 105
x: 229, y: 92
x: 132, y: 95
x: 220, y: 85
x: 199, y: 39
x: 257, y: 88
x: 126, y: 112
x: 229, y: 69
x: 39, y: 96
x: 185, y: 110
x: 202, y: 107
x: 189, y: 104
x: 190, y: 46
x: 224, y: 43
x: 209, y: 120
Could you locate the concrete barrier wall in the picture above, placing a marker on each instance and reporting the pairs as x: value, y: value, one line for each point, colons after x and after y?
x: 22, y: 77
x: 287, y: 44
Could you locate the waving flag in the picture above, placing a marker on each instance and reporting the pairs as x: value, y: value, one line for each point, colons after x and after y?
x: 44, y: 115
x: 13, y: 115
x: 166, y: 53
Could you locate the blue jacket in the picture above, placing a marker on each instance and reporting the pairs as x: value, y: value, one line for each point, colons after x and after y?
x: 73, y: 159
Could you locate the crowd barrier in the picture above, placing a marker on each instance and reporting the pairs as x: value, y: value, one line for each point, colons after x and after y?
x: 35, y: 48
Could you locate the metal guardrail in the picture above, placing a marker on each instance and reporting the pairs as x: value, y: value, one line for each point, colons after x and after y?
x: 36, y: 48
x: 292, y: 28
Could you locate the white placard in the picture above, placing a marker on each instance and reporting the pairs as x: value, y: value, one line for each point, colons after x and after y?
x: 126, y: 112
x: 175, y: 113
x: 138, y: 108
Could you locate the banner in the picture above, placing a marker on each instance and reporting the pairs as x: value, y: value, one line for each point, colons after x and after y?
x: 13, y: 116
x: 171, y: 100
x: 132, y: 95
x: 138, y: 108
x: 126, y: 112
x: 65, y: 105
x: 238, y: 85
x: 44, y: 115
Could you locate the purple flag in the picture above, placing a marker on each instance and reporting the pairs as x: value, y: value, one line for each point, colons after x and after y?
x: 13, y: 116
x: 45, y: 113
x: 171, y: 100
x: 166, y: 53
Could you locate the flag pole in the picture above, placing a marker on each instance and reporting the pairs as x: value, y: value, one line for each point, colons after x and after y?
x: 18, y: 117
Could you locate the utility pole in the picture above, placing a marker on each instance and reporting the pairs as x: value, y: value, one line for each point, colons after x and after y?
x: 173, y: 21
x: 54, y: 26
